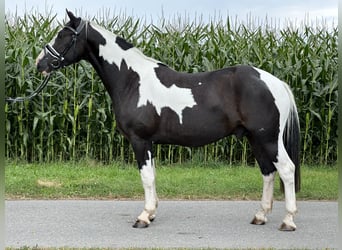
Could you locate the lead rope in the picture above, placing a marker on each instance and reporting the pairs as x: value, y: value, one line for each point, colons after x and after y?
x: 34, y: 93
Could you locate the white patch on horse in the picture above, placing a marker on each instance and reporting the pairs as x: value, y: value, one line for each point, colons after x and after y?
x: 42, y: 54
x: 282, y: 98
x: 199, y: 83
x: 40, y: 57
x: 267, y: 198
x: 278, y: 90
x: 267, y: 193
x: 286, y: 170
x: 151, y: 90
x: 148, y: 175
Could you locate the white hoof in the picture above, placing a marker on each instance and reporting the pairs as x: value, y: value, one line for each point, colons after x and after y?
x: 288, y: 224
x: 259, y: 218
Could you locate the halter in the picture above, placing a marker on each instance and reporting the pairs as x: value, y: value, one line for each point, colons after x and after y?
x: 59, y: 57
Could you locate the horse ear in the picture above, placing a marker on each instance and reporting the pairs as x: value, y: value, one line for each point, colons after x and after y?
x: 71, y: 16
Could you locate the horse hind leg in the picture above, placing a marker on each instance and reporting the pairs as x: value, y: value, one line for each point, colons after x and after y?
x: 286, y: 170
x: 272, y: 157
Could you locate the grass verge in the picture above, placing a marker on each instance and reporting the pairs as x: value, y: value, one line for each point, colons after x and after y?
x: 89, y: 180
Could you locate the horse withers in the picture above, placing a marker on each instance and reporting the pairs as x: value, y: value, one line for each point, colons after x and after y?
x: 153, y: 103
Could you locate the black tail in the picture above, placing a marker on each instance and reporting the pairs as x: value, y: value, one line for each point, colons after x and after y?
x: 291, y: 138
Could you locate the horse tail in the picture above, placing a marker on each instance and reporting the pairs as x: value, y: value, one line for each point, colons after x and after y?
x: 291, y: 139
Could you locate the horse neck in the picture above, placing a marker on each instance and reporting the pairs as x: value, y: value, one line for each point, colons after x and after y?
x: 114, y: 58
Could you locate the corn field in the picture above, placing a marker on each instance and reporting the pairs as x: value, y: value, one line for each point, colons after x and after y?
x: 72, y: 118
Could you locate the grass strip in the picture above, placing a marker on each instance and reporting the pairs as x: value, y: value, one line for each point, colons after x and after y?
x: 89, y: 180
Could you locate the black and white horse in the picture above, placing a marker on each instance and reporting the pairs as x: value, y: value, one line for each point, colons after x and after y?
x: 155, y: 104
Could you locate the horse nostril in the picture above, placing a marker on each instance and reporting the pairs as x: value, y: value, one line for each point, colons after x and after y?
x: 42, y: 66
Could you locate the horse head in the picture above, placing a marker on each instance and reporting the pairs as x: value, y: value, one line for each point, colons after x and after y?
x: 66, y: 48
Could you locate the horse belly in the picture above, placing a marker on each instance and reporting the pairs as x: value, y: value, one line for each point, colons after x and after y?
x: 195, y: 131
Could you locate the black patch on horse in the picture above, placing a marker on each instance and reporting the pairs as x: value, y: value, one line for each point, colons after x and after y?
x: 123, y: 43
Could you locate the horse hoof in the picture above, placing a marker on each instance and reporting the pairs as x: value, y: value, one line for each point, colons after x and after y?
x: 257, y: 221
x: 140, y: 224
x: 287, y: 228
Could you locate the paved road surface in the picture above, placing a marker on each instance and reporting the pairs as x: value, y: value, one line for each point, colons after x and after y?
x: 192, y: 224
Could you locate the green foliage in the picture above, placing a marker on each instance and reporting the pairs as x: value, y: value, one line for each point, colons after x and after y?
x: 72, y: 119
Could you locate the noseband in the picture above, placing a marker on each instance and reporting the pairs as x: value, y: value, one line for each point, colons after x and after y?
x: 58, y: 58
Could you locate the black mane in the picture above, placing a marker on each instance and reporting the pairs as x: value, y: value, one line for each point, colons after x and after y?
x: 123, y: 43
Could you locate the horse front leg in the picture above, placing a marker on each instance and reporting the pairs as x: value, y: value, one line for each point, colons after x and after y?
x: 143, y: 152
x: 148, y: 177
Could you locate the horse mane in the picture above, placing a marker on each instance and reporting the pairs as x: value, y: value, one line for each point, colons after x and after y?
x: 124, y: 44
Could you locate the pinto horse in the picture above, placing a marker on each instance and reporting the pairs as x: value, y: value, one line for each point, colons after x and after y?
x: 155, y: 104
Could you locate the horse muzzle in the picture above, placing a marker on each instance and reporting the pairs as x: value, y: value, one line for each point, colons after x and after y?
x: 43, y: 67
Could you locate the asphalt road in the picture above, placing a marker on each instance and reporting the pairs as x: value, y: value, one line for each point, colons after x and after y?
x: 193, y: 224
